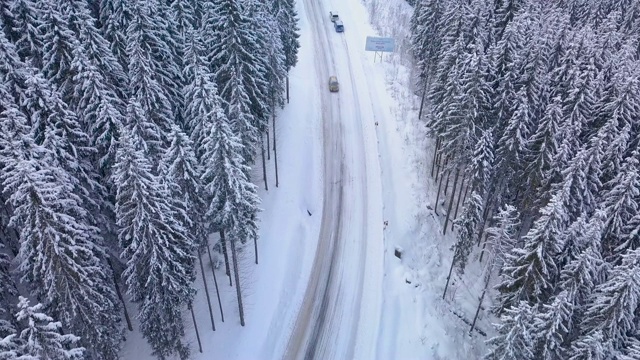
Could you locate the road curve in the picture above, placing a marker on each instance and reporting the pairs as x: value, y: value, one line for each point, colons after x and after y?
x: 327, y: 323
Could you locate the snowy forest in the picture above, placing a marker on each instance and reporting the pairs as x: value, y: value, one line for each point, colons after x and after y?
x: 128, y: 132
x: 534, y: 110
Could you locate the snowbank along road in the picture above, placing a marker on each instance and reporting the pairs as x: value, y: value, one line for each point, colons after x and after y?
x: 340, y: 313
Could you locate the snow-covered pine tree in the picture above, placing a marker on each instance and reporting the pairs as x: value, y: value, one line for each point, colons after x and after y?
x: 540, y: 152
x: 552, y: 325
x: 268, y: 79
x: 480, y: 174
x: 203, y: 104
x: 60, y: 255
x: 94, y: 45
x: 149, y: 80
x: 584, y: 267
x: 183, y: 173
x: 239, y: 72
x: 114, y: 19
x: 184, y: 20
x: 234, y: 200
x: 58, y: 43
x: 512, y: 145
x: 26, y: 30
x: 632, y: 350
x: 158, y: 250
x: 286, y: 18
x: 425, y: 34
x: 169, y: 69
x: 234, y: 205
x: 275, y: 60
x: 612, y: 306
x: 99, y: 110
x: 460, y: 123
x: 531, y: 271
x: 593, y: 346
x: 504, y: 13
x: 7, y: 289
x: 515, y: 339
x: 505, y: 57
x: 9, y: 345
x: 617, y: 112
x: 502, y: 236
x: 42, y: 338
x: 620, y: 202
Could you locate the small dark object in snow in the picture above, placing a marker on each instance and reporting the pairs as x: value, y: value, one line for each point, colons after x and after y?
x: 398, y: 253
x: 386, y: 223
x: 407, y: 281
x: 376, y: 123
x: 309, y: 212
x: 429, y: 207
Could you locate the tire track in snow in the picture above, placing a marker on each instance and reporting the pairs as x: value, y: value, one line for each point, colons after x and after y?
x: 311, y: 316
x: 328, y: 320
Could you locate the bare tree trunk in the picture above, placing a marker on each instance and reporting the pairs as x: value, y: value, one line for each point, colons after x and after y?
x: 237, y: 276
x: 215, y: 281
x: 453, y: 196
x: 446, y: 185
x: 438, y: 195
x: 438, y: 164
x: 195, y: 326
x: 424, y: 92
x: 489, y: 209
x: 435, y: 155
x: 255, y: 247
x: 446, y: 286
x: 264, y: 164
x: 223, y: 242
x: 275, y: 153
x: 287, y: 91
x: 482, y: 235
x: 206, y: 290
x: 455, y: 214
x: 268, y: 143
x: 484, y: 291
x: 119, y: 292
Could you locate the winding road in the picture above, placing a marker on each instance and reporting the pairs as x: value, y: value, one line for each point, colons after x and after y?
x: 341, y: 306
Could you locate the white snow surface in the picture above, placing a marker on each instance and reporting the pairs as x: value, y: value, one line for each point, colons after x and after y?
x: 401, y: 312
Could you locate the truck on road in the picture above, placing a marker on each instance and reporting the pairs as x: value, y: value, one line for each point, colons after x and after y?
x: 333, y: 16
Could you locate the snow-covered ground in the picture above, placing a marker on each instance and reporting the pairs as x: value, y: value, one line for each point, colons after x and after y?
x: 399, y: 312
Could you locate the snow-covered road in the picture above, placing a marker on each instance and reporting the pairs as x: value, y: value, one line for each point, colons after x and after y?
x: 350, y: 242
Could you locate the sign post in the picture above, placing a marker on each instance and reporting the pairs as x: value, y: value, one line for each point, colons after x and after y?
x: 379, y: 45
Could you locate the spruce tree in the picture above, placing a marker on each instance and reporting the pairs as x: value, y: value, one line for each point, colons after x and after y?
x: 612, y: 306
x: 552, y: 326
x: 149, y: 84
x: 158, y: 251
x: 531, y: 271
x: 286, y: 19
x: 593, y: 346
x: 620, y: 203
x: 59, y: 254
x: 26, y: 30
x: 503, y: 234
x: 240, y: 73
x: 42, y: 338
x: 515, y: 339
x: 94, y: 46
x: 114, y: 18
x: 183, y: 172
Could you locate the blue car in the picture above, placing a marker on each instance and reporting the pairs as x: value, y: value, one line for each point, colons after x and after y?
x: 338, y: 26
